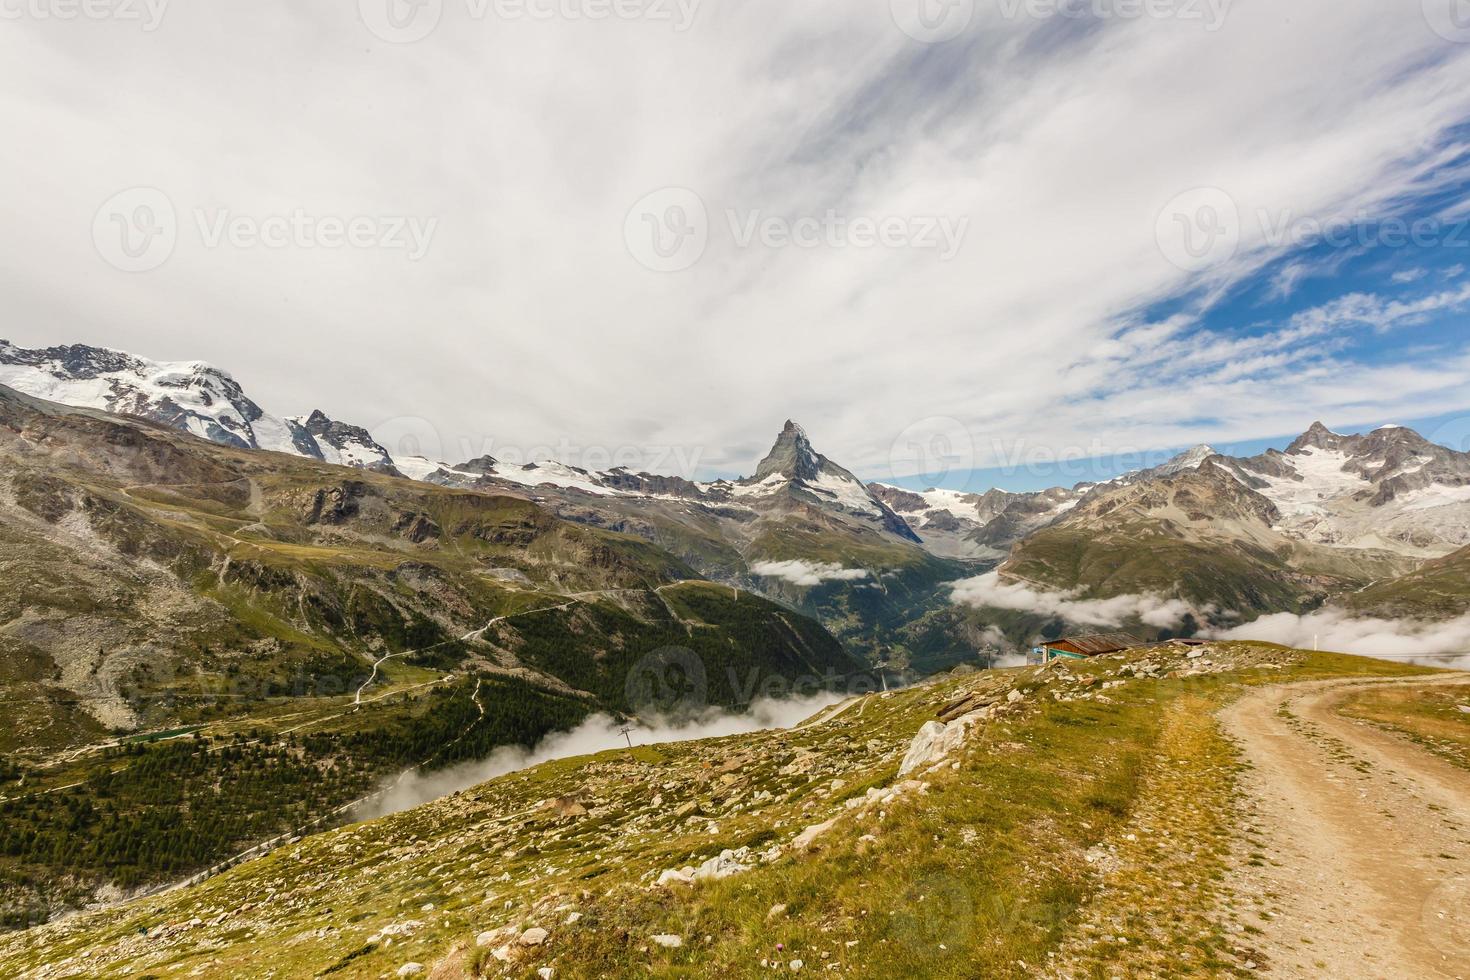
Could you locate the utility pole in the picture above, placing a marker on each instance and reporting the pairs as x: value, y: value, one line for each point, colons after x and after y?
x: 627, y: 734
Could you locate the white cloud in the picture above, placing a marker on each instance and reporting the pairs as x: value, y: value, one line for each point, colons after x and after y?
x: 806, y: 573
x: 529, y: 323
x: 989, y: 591
x: 597, y: 734
x: 1340, y: 631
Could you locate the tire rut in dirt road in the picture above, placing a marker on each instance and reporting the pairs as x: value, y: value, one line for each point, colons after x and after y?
x: 1360, y: 863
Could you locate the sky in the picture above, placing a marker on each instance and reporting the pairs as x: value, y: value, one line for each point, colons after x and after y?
x: 958, y: 241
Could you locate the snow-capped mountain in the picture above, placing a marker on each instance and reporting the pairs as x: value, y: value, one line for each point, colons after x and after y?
x: 1390, y: 489
x: 793, y: 471
x: 190, y: 395
x: 342, y: 444
x: 986, y: 525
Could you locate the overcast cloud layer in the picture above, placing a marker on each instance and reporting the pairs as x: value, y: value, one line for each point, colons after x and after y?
x: 1038, y: 156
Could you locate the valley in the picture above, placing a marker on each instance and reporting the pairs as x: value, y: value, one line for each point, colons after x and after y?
x: 253, y: 685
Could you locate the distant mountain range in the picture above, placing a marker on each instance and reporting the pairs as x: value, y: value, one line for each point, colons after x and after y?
x: 1331, y: 516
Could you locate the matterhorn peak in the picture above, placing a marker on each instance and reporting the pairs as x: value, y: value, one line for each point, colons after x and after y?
x: 792, y: 456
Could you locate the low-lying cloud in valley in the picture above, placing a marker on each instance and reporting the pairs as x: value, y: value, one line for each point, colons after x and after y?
x: 808, y: 573
x: 598, y: 733
x: 990, y: 592
x: 1441, y: 644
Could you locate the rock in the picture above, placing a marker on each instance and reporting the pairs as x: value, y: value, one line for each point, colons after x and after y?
x: 533, y: 937
x: 495, y: 936
x: 565, y: 806
x: 684, y: 876
x: 574, y: 918
x: 777, y: 911
x: 727, y: 864
x: 669, y: 942
x: 1015, y: 697
x: 546, y: 973
x: 796, y: 966
x: 808, y: 837
x: 937, y: 740
x: 410, y: 969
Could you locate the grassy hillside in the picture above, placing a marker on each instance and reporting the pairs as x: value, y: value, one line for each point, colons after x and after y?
x: 1439, y: 590
x: 987, y: 864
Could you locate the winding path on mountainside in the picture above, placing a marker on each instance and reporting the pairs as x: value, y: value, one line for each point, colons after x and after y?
x: 1366, y: 835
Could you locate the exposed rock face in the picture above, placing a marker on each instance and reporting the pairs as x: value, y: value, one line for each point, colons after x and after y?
x: 936, y: 741
x: 343, y: 444
x: 792, y: 457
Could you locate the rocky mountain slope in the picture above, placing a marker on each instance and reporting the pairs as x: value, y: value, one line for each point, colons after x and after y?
x: 859, y: 567
x: 152, y: 582
x: 1328, y: 516
x: 192, y: 396
x: 1390, y: 490
x: 1438, y: 589
x: 987, y: 525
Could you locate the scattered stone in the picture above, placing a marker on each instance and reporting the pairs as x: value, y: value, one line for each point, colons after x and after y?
x: 669, y: 942
x: 777, y: 911
x: 808, y: 837
x: 410, y: 969
x: 533, y: 937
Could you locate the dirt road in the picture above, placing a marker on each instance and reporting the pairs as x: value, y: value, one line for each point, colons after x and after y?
x: 1358, y: 862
